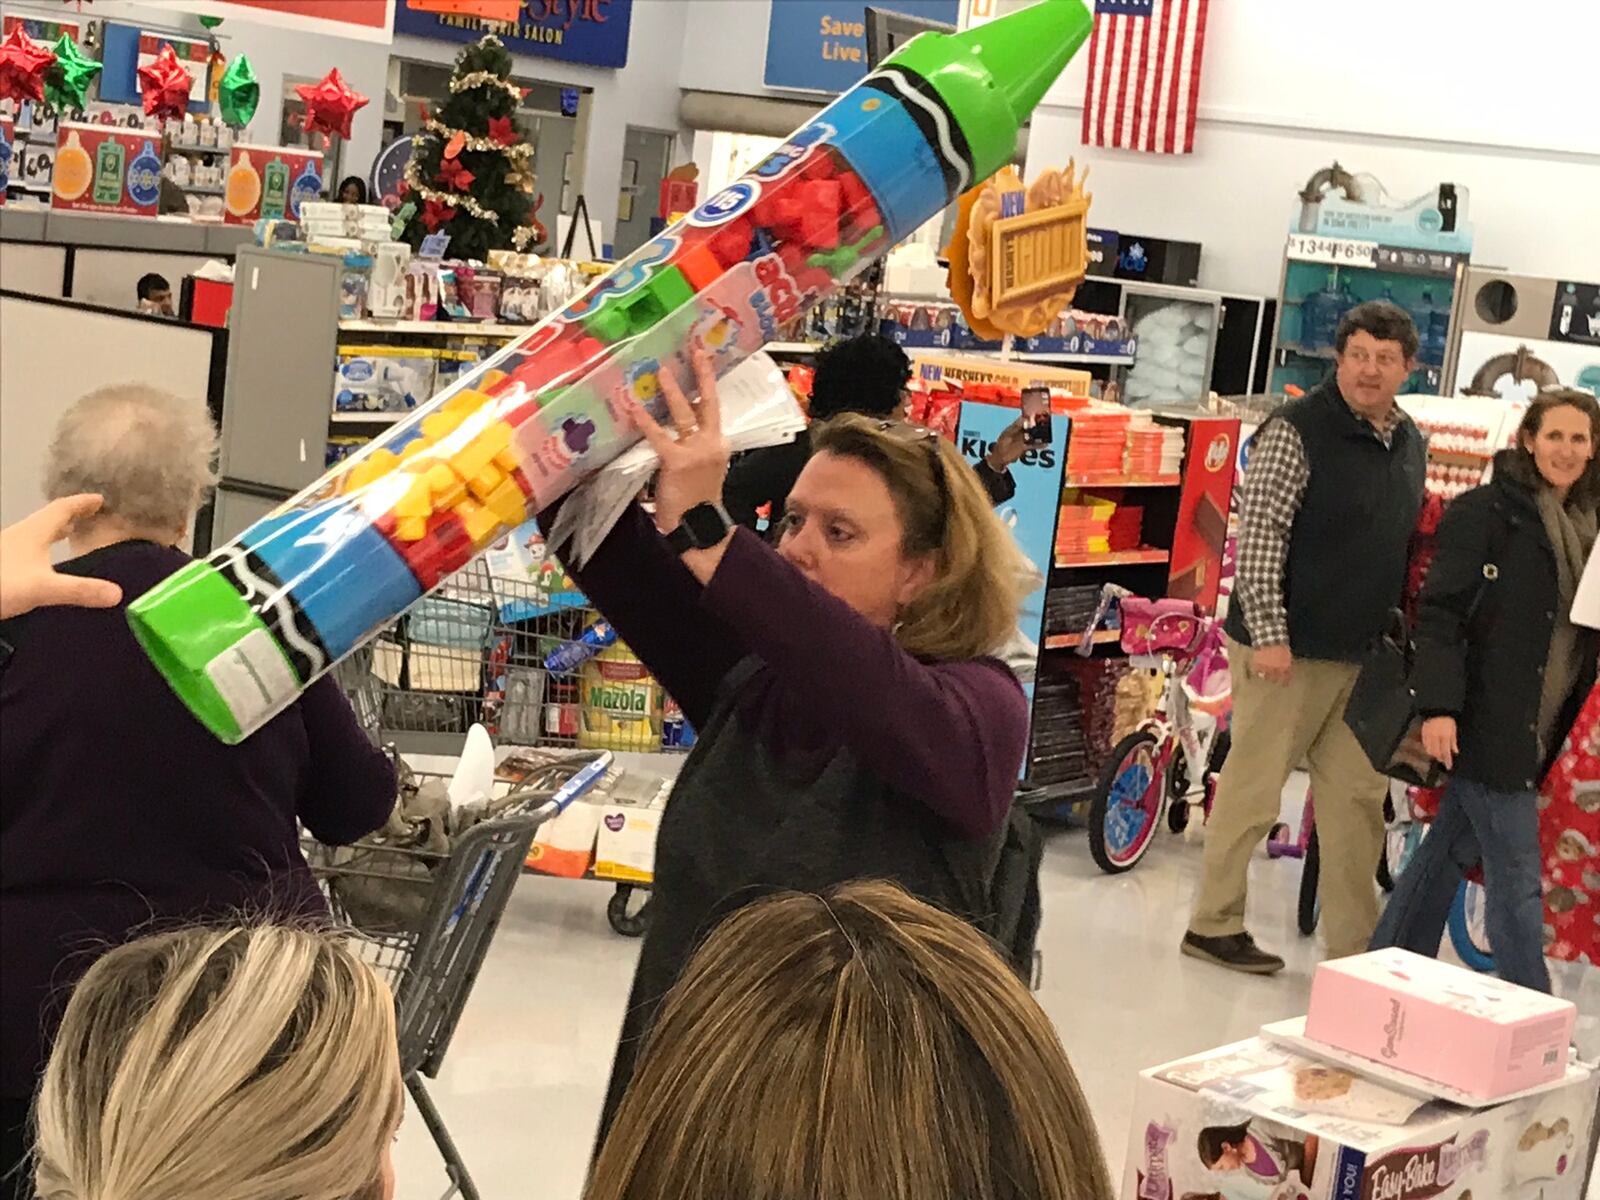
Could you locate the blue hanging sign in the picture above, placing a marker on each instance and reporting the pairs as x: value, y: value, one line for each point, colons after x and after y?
x: 593, y: 32
x: 821, y: 45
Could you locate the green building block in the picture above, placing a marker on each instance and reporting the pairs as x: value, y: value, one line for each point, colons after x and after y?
x: 621, y: 317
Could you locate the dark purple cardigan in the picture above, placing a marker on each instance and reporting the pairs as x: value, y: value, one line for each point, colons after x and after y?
x: 951, y: 734
x: 119, y: 812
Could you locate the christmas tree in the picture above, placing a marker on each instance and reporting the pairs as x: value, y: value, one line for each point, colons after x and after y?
x: 471, y: 169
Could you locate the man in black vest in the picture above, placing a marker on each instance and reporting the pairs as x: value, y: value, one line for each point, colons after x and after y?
x: 1330, y: 499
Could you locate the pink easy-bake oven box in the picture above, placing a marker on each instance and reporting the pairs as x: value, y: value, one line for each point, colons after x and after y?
x: 1477, y: 1034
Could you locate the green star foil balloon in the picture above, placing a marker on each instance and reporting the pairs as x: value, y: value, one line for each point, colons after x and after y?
x: 239, y: 93
x: 66, y: 83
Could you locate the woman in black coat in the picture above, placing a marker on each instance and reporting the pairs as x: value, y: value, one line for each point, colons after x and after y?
x: 1499, y: 670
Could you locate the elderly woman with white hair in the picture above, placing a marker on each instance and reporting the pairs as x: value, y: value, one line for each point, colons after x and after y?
x: 119, y: 812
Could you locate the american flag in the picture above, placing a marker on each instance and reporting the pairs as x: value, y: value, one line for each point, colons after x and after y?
x: 1144, y: 74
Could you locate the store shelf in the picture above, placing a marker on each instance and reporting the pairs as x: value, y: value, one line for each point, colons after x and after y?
x: 194, y: 190
x: 1307, y: 351
x: 368, y: 418
x: 442, y: 328
x: 1116, y: 558
x: 1070, y: 641
x: 792, y: 347
x: 1079, y: 481
x: 1472, y: 456
x: 1115, y: 360
x: 173, y: 146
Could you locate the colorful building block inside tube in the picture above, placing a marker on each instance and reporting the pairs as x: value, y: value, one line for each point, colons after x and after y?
x: 241, y: 634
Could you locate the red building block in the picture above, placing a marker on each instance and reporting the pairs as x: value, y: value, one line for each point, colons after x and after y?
x: 819, y: 165
x: 819, y: 225
x: 561, y: 361
x: 699, y: 265
x: 442, y: 551
x: 731, y: 243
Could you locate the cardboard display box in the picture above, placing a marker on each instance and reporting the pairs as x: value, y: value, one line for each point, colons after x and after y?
x: 1253, y: 1121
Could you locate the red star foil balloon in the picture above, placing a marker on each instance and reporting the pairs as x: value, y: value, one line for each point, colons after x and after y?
x: 165, y: 85
x: 23, y: 63
x: 330, y: 104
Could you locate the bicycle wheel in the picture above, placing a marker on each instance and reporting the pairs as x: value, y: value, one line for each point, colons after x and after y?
x: 1127, y: 804
x: 1467, y: 932
x: 1308, y: 909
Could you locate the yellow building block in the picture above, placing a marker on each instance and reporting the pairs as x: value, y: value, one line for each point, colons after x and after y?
x: 507, y: 503
x: 415, y: 447
x: 411, y: 529
x: 468, y: 400
x: 473, y: 458
x: 441, y: 424
x: 483, y: 484
x: 417, y: 501
x: 445, y: 486
x: 509, y: 459
x: 375, y: 466
x: 490, y: 378
x: 481, y: 524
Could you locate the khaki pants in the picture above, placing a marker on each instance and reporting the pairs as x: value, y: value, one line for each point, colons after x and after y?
x: 1275, y: 727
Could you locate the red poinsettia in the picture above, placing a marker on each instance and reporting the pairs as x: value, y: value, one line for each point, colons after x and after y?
x: 436, y: 212
x: 501, y: 132
x: 453, y: 175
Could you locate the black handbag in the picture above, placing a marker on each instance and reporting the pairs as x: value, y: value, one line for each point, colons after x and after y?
x: 1382, y: 710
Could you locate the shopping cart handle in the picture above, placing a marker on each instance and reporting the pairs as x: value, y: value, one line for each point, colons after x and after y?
x: 582, y: 781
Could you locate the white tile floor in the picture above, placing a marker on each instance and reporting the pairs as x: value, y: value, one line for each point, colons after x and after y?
x: 524, y: 1077
x: 523, y: 1080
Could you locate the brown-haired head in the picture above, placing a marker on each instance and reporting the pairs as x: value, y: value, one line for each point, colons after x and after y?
x: 859, y: 1046
x: 1520, y: 461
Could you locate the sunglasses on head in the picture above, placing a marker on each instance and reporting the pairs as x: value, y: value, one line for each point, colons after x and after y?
x: 904, y: 431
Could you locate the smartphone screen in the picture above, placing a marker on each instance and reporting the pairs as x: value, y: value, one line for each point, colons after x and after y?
x: 1036, y: 416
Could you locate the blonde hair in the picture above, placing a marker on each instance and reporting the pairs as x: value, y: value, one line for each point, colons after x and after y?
x: 857, y: 1046
x: 970, y: 607
x: 234, y: 1064
x: 149, y: 453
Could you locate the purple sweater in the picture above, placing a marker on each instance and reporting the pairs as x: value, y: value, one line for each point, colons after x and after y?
x: 120, y: 812
x: 951, y: 734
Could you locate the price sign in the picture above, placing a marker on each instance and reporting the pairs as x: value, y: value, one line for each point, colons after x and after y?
x: 1344, y: 252
x: 33, y: 165
x: 1417, y: 262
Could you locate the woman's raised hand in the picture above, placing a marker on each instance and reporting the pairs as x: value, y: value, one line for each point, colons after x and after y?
x: 694, y: 459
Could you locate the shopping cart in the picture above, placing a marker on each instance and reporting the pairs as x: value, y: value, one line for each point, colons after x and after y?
x: 475, y: 651
x: 424, y: 919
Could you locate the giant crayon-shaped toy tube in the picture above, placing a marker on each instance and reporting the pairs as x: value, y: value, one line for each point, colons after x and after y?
x: 241, y: 633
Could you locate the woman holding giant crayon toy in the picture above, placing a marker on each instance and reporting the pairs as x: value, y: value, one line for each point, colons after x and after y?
x: 852, y: 723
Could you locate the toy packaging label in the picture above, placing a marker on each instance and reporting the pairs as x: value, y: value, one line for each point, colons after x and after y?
x: 106, y: 169
x: 1444, y: 1023
x: 1254, y: 1122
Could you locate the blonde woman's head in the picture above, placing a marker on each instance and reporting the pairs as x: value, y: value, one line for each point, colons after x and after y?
x: 233, y: 1064
x: 892, y: 520
x: 859, y: 1046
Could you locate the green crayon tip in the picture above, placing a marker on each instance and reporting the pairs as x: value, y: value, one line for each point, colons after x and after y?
x: 992, y: 77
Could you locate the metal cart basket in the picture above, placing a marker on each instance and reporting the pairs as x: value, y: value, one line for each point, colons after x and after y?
x: 424, y: 919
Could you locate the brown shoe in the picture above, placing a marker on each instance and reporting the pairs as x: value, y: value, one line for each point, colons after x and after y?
x: 1236, y: 951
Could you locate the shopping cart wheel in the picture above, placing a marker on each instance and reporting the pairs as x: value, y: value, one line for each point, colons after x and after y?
x: 1307, y: 910
x: 628, y: 925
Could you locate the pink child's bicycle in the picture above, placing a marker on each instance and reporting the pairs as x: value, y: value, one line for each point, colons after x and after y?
x: 1175, y: 754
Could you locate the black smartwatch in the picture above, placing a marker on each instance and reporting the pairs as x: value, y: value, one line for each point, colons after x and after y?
x: 702, y: 527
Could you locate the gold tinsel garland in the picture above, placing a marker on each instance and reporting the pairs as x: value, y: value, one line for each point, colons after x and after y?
x: 515, y: 150
x: 520, y: 236
x: 474, y: 79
